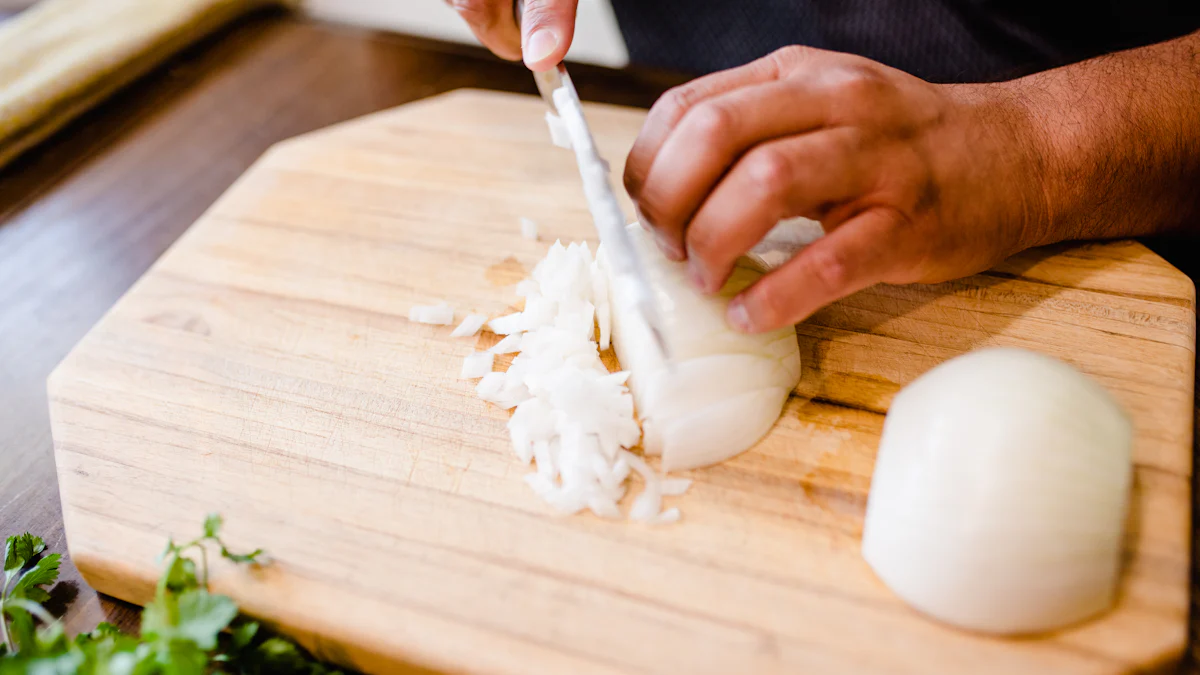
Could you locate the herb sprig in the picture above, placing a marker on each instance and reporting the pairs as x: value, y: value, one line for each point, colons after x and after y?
x: 185, y: 630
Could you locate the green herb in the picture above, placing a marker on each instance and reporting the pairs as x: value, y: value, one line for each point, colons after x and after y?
x: 186, y: 630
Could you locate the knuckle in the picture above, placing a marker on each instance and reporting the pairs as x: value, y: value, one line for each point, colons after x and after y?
x: 709, y: 121
x: 860, y: 85
x: 769, y: 171
x: 675, y: 102
x: 829, y: 269
x: 704, y: 243
x: 790, y: 54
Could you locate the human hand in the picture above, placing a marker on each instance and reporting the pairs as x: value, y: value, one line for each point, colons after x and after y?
x: 912, y: 181
x: 547, y: 28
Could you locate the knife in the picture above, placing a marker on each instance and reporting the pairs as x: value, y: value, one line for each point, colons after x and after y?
x: 558, y: 91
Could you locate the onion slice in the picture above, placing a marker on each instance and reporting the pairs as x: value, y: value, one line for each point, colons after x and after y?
x: 470, y: 325
x: 529, y: 229
x: 478, y: 364
x: 441, y: 314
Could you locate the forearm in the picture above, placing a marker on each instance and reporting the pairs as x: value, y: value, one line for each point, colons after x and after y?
x: 1116, y: 142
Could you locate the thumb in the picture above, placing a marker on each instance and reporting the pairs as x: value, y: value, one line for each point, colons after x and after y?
x: 547, y: 28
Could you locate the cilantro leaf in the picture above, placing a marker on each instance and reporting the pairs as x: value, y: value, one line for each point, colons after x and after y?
x: 104, y: 630
x: 195, y: 616
x: 43, y: 573
x: 50, y: 664
x: 181, y: 575
x: 202, y: 616
x: 284, y: 657
x: 177, y: 657
x: 19, y: 550
x: 244, y: 634
x: 251, y: 558
x: 212, y: 525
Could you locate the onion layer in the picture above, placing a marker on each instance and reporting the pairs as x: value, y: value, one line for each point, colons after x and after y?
x: 1000, y: 492
x: 724, y: 390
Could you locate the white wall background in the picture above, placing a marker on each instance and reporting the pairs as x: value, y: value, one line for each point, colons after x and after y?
x: 597, y: 36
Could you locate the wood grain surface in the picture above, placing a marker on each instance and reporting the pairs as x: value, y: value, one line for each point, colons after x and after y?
x: 84, y: 214
x: 265, y: 365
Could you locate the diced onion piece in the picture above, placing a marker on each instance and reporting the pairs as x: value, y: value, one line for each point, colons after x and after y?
x: 490, y: 385
x: 507, y: 324
x: 671, y: 515
x: 441, y: 314
x: 529, y: 229
x: 999, y: 494
x: 538, y: 312
x: 646, y: 506
x: 558, y: 131
x: 604, y: 506
x: 673, y: 487
x: 469, y: 326
x: 478, y: 364
x: 508, y: 345
x: 527, y: 287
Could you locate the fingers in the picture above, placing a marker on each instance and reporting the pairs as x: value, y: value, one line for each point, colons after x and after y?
x: 673, y: 105
x: 855, y: 256
x: 806, y: 175
x: 548, y: 27
x: 493, y: 24
x: 710, y: 138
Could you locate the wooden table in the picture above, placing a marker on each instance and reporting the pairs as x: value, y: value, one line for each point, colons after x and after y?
x: 82, y: 217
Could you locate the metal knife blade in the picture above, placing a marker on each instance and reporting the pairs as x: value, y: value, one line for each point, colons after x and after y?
x: 558, y: 91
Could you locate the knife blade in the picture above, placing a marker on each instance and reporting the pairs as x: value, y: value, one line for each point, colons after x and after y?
x: 557, y: 89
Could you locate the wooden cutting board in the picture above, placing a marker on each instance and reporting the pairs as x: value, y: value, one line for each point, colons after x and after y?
x: 265, y: 368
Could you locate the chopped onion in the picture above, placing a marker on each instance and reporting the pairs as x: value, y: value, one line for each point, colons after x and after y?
x: 673, y: 487
x: 478, y: 364
x: 505, y: 325
x: 558, y: 131
x: 529, y: 229
x: 572, y: 418
x: 724, y: 390
x: 671, y: 515
x: 490, y: 385
x: 470, y: 325
x: 441, y: 314
x: 527, y: 287
x: 508, y: 345
x: 1000, y: 492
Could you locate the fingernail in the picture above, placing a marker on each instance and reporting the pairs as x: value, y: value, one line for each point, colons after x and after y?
x: 696, y: 275
x: 542, y: 42
x: 738, y: 316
